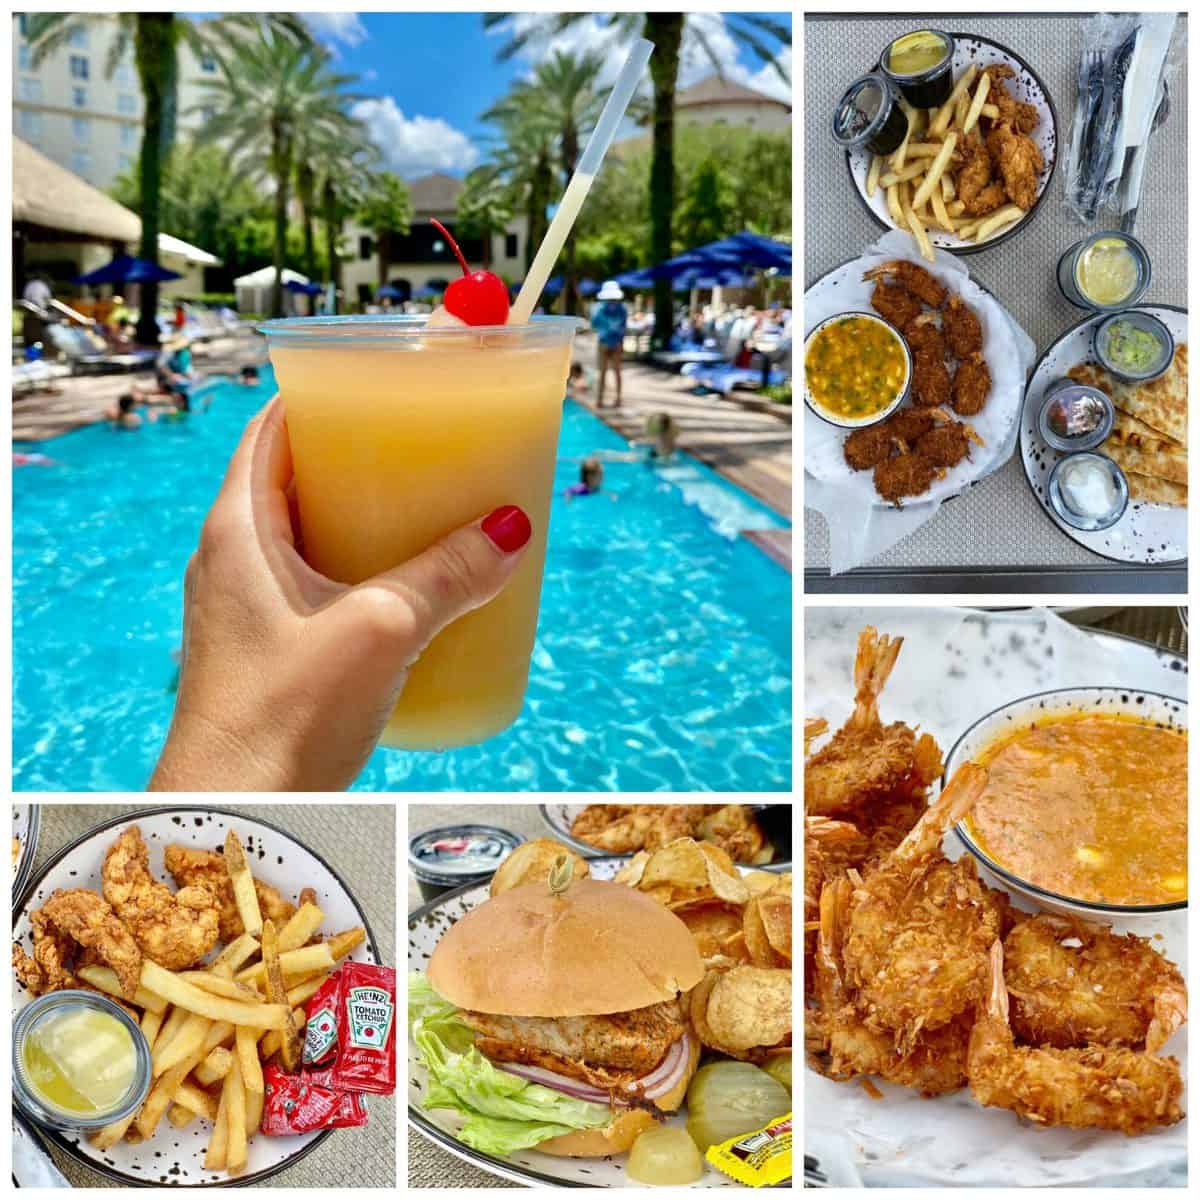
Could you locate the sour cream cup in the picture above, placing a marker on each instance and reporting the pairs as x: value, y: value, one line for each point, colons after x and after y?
x: 1059, y: 489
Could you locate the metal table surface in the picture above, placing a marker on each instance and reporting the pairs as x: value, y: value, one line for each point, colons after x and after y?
x: 995, y: 537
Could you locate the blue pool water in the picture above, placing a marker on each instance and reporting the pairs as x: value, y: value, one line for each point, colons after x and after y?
x: 663, y: 652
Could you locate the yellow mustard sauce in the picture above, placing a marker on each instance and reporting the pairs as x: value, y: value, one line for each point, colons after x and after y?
x: 80, y: 1060
x: 1089, y: 806
x: 855, y: 368
x: 916, y: 52
x: 1106, y: 272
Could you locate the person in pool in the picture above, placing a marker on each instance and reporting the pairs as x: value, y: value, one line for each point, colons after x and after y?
x: 288, y: 678
x: 248, y: 376
x: 591, y: 479
x: 123, y: 415
x: 577, y: 388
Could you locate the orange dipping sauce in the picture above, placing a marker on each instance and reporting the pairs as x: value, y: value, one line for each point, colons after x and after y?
x: 1090, y: 806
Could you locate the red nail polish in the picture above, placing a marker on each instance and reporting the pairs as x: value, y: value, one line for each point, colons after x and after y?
x: 508, y: 527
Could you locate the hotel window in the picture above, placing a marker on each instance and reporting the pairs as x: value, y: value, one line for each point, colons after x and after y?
x: 128, y: 134
x: 31, y: 90
x: 81, y: 128
x: 24, y: 57
x: 126, y: 102
x: 124, y: 74
x: 79, y: 66
x: 21, y: 19
x: 510, y: 245
x: 31, y: 124
x: 365, y: 246
x: 81, y: 162
x: 78, y: 37
x: 208, y: 65
x: 79, y: 97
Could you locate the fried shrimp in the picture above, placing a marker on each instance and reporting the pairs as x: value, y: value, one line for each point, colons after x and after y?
x: 841, y: 1046
x: 904, y: 475
x: 919, y: 926
x: 924, y: 336
x: 972, y: 385
x: 1074, y: 983
x: 895, y: 304
x: 1099, y: 1087
x: 865, y: 760
x: 962, y: 329
x: 913, y: 278
x: 947, y: 445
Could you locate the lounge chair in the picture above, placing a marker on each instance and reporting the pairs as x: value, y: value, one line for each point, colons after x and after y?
x: 33, y: 376
x: 724, y: 377
x: 81, y: 353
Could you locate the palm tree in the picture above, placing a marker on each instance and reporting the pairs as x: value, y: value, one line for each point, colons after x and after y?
x: 345, y: 181
x: 318, y: 158
x: 666, y: 31
x: 155, y: 39
x: 276, y: 94
x: 563, y: 91
x: 523, y: 155
x: 386, y: 210
x: 484, y: 206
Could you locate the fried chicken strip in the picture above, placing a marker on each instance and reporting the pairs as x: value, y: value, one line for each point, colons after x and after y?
x: 85, y: 918
x: 190, y: 867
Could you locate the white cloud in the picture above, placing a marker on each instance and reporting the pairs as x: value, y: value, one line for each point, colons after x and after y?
x: 414, y: 146
x: 766, y: 78
x: 344, y: 27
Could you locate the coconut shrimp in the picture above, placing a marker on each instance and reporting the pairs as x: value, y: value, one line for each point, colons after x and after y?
x: 913, y: 279
x: 867, y: 760
x: 919, y: 926
x: 842, y: 1047
x: 1073, y: 983
x: 1099, y: 1087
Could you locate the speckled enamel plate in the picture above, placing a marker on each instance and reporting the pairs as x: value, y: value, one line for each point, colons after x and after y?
x: 175, y: 1157
x: 1026, y: 87
x: 425, y: 929
x: 26, y: 823
x: 1148, y: 534
x: 775, y: 819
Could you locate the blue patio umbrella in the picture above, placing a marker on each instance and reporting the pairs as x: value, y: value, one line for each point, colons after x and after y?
x: 127, y: 269
x: 387, y: 292
x: 554, y: 285
x: 308, y: 289
x: 425, y: 292
x: 748, y: 250
x: 588, y: 287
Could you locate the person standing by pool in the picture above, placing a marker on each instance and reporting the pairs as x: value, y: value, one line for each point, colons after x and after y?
x: 609, y: 320
x: 288, y: 678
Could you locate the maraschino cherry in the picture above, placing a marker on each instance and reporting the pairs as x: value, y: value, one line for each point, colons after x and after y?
x: 479, y: 297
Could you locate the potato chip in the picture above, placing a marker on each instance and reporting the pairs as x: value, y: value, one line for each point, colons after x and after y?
x: 532, y: 862
x: 713, y: 926
x: 747, y: 1009
x: 631, y: 873
x: 775, y: 913
x: 762, y: 953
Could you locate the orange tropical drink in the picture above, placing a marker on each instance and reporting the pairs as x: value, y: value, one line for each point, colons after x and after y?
x: 399, y: 435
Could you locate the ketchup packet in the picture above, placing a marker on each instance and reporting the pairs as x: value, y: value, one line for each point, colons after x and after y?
x: 304, y: 1103
x: 366, y: 1029
x: 321, y: 1032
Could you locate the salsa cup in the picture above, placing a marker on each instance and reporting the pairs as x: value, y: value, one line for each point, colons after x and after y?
x: 830, y: 418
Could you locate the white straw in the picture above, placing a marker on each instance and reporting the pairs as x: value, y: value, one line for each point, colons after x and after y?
x: 577, y: 190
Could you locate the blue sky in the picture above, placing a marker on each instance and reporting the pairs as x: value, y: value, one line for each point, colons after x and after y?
x: 428, y: 76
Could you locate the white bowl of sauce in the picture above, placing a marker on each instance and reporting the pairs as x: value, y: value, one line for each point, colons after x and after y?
x: 1085, y: 809
x: 1105, y: 272
x: 857, y: 369
x: 80, y: 1062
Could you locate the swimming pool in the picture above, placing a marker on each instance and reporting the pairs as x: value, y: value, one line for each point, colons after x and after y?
x: 663, y: 658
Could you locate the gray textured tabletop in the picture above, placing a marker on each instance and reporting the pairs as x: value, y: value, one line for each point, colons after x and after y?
x: 998, y: 524
x: 429, y: 1165
x: 359, y: 842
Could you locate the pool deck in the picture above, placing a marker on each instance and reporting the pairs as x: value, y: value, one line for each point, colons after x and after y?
x: 745, y: 441
x: 84, y: 399
x: 745, y: 445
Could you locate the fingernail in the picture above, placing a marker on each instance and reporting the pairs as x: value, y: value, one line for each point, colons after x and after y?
x: 508, y: 527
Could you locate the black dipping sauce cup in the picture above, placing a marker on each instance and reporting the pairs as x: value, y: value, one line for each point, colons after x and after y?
x: 868, y: 116
x: 930, y: 88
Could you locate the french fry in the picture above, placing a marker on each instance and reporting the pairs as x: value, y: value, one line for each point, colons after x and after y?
x: 268, y: 1044
x: 960, y: 111
x: 237, y: 952
x: 941, y: 122
x: 290, y: 1046
x: 180, y: 1117
x: 215, y: 1156
x: 956, y: 208
x: 918, y: 231
x: 175, y: 1021
x: 216, y: 1008
x: 151, y: 1023
x: 905, y: 173
x: 304, y: 922
x: 306, y: 989
x: 247, y: 1056
x: 991, y: 112
x: 244, y: 893
x: 160, y: 1095
x: 110, y: 1135
x: 235, y: 1158
x: 997, y: 220
x: 935, y: 171
x: 188, y: 1041
x: 341, y: 944
x: 220, y: 986
x: 893, y: 204
x: 967, y: 230
x: 948, y: 188
x: 214, y: 1067
x: 977, y: 103
x: 196, y: 1099
x: 294, y: 964
x: 873, y: 173
x: 924, y: 149
x: 255, y: 1102
x: 939, y: 211
x: 104, y: 979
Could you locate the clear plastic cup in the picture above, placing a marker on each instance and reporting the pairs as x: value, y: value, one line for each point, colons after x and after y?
x: 399, y: 435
